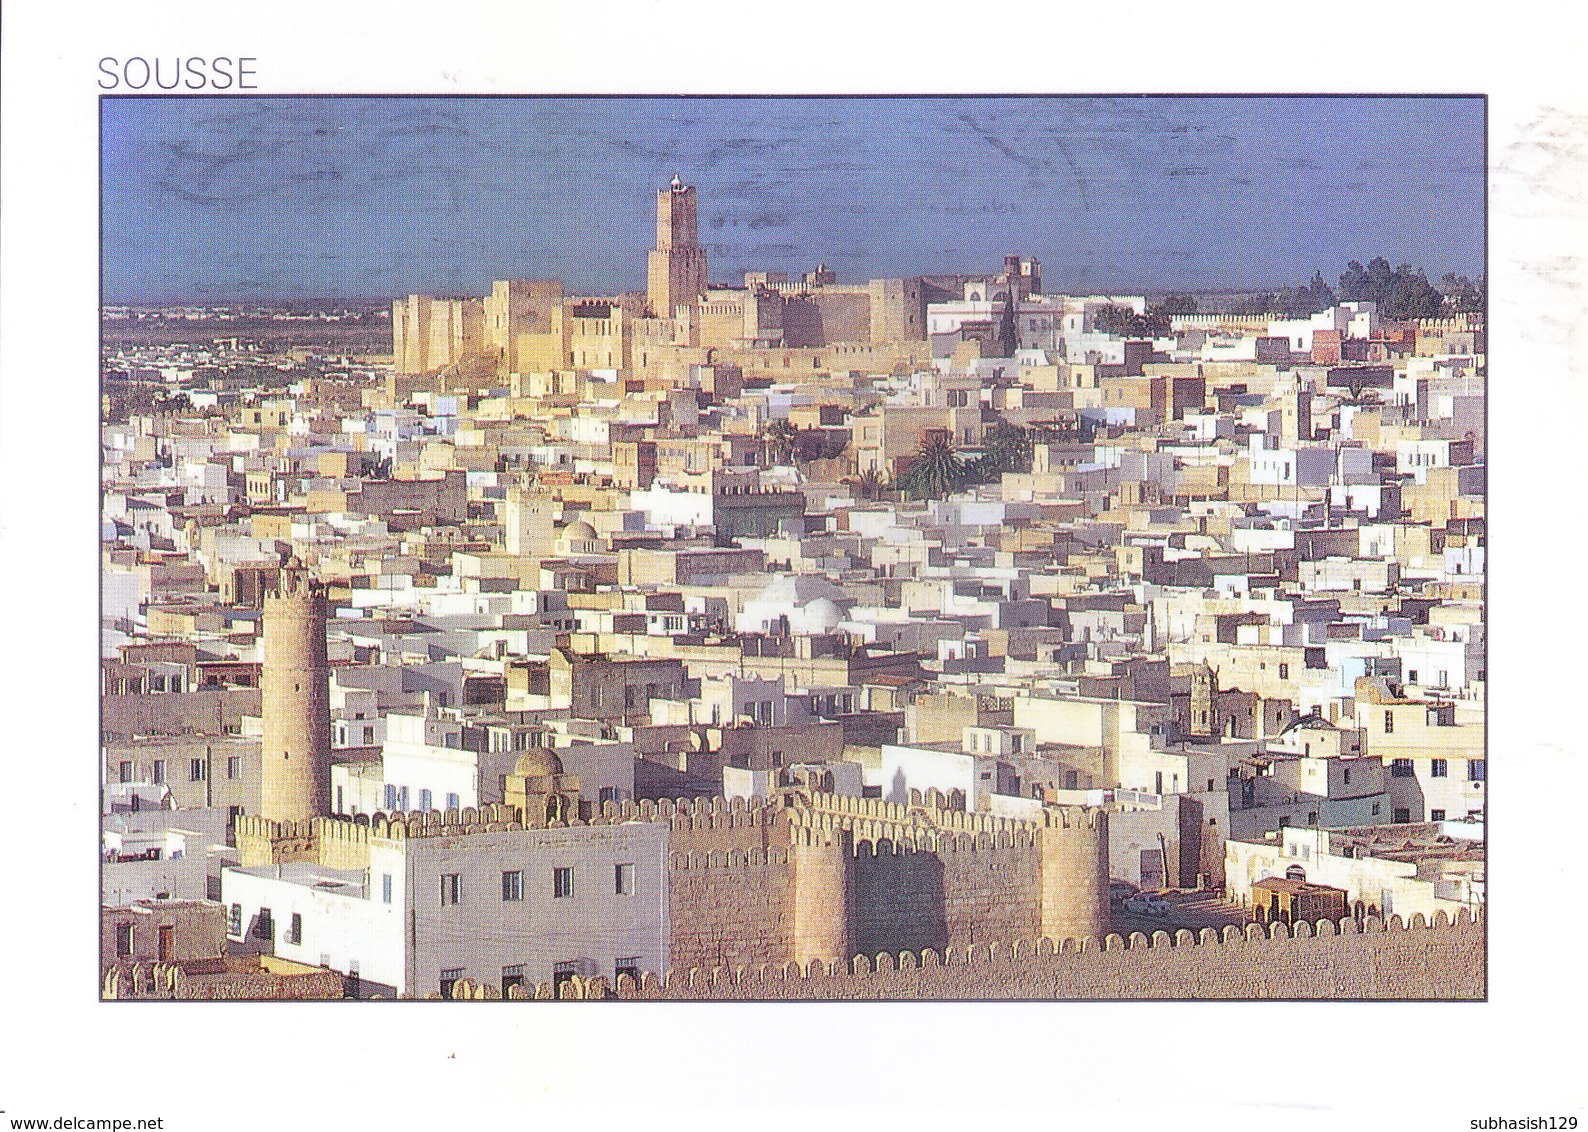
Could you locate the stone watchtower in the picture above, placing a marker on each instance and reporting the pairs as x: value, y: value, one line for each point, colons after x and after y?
x: 295, y: 697
x: 1074, y: 847
x: 676, y: 270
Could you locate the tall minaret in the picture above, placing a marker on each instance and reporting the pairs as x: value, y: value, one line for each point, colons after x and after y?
x: 677, y: 268
x: 295, y: 696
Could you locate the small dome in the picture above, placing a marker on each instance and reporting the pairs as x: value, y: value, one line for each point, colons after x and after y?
x: 537, y: 762
x: 579, y: 531
x: 822, y: 616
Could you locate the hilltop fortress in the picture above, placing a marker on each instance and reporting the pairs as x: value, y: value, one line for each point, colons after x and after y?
x: 770, y: 325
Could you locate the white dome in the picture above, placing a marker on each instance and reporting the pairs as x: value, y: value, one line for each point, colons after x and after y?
x: 822, y: 616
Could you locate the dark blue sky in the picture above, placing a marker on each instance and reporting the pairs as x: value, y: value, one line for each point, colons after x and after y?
x: 267, y: 198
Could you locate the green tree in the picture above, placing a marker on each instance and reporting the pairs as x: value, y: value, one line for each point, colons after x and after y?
x: 1122, y: 322
x: 1177, y: 303
x: 1401, y: 292
x: 1005, y: 448
x: 870, y: 486
x: 1320, y: 296
x: 778, y: 439
x: 1113, y: 320
x: 936, y: 470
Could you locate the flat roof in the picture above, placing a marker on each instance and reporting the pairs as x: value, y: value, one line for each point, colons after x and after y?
x: 1294, y: 887
x: 307, y: 874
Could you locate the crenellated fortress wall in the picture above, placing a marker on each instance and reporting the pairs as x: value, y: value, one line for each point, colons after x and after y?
x: 1374, y: 960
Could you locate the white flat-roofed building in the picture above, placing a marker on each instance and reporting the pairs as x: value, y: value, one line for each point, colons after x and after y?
x: 521, y: 905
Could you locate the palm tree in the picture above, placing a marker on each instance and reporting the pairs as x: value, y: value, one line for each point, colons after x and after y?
x: 778, y: 436
x: 935, y: 471
x: 870, y: 485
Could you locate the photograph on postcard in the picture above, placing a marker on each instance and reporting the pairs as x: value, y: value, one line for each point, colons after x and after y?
x: 783, y: 548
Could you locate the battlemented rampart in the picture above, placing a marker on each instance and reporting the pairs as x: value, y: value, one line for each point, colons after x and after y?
x: 803, y: 875
x: 215, y: 981
x: 1376, y: 960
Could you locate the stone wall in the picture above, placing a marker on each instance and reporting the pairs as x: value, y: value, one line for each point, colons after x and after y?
x: 220, y: 980
x: 1376, y: 961
x: 731, y: 908
x: 802, y: 877
x: 911, y: 900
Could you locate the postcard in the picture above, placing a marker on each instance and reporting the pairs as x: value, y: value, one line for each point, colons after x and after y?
x: 1007, y: 559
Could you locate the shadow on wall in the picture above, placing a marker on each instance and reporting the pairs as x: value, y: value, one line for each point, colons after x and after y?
x: 898, y: 903
x: 897, y: 791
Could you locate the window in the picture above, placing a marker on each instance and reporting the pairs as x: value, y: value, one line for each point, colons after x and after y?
x: 1157, y: 782
x: 234, y: 920
x: 391, y: 797
x: 1284, y: 672
x: 1411, y: 675
x: 451, y: 888
x: 1401, y: 815
x: 562, y: 882
x: 1439, y: 768
x: 1401, y: 768
x: 402, y: 798
x: 123, y: 940
x: 629, y: 966
x: 1377, y: 809
x: 1436, y: 815
x: 263, y: 927
x: 385, y: 888
x: 1476, y: 770
x: 1389, y: 723
x: 623, y: 880
x: 511, y: 977
x: 159, y: 771
x: 195, y: 770
x: 560, y: 974
x: 126, y: 772
x: 424, y: 800
x: 452, y: 801
x: 1345, y: 776
x: 513, y: 885
x: 1312, y: 817
x: 295, y: 928
x: 449, y: 978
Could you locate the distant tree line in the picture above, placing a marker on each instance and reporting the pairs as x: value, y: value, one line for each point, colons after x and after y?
x: 1400, y: 293
x: 1122, y: 322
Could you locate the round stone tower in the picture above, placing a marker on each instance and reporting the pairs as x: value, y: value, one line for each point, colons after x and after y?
x: 821, y: 860
x: 295, y: 697
x: 1074, y: 873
